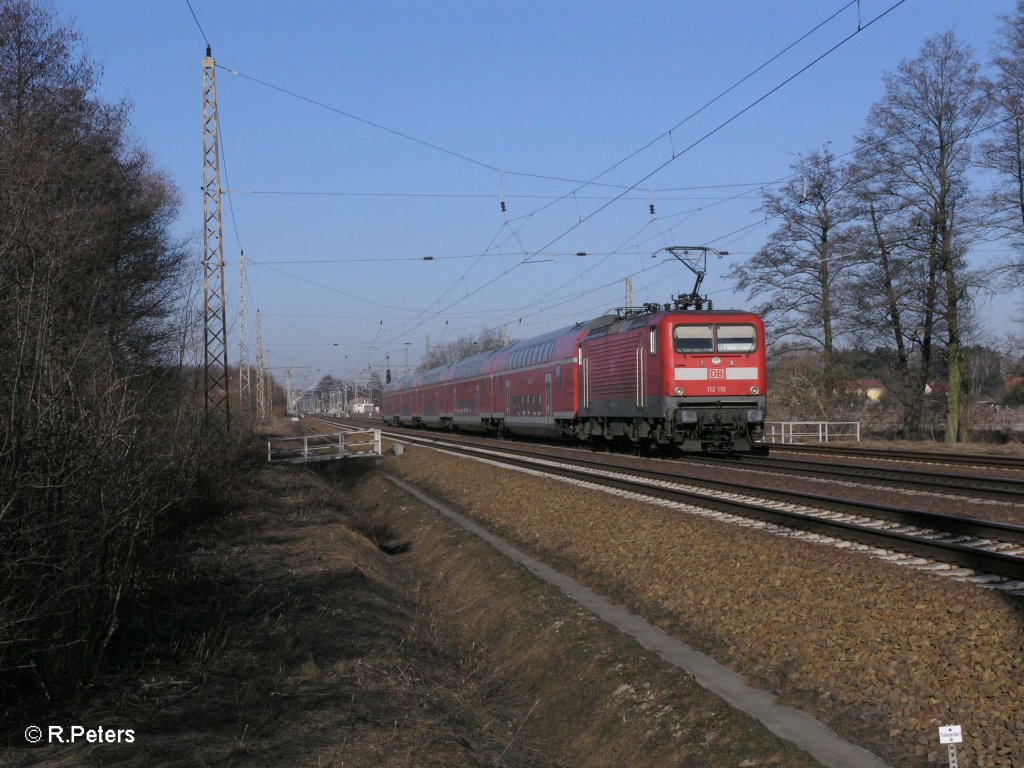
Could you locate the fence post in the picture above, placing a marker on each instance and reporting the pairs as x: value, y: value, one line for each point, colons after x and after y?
x: 305, y: 447
x: 268, y: 450
x: 341, y: 443
x: 376, y: 441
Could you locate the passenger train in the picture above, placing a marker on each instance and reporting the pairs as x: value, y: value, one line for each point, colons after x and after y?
x: 657, y: 377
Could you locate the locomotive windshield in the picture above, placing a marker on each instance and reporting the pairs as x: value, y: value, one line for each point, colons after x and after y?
x: 721, y: 338
x: 736, y: 338
x: 693, y: 339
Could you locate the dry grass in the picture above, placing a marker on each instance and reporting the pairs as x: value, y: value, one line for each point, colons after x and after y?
x: 287, y: 635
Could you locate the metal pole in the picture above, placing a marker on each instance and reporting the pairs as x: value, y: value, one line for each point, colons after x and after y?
x: 244, y: 386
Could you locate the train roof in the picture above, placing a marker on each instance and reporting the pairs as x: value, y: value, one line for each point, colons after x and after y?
x: 436, y: 374
x: 599, y: 326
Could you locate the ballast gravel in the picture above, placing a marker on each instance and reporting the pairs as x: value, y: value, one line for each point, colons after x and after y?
x: 883, y: 654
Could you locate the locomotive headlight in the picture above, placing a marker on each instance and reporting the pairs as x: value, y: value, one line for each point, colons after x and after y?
x: 679, y: 390
x: 686, y: 417
x: 756, y: 416
x: 755, y: 390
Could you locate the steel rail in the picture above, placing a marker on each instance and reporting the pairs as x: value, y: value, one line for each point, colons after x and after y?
x: 1000, y: 488
x: 933, y: 457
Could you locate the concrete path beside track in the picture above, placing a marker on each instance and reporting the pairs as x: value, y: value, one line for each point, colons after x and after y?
x: 797, y: 727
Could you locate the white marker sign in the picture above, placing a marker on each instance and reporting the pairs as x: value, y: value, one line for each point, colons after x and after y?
x: 950, y: 734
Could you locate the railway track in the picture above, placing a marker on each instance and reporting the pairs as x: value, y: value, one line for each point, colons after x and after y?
x: 999, y: 488
x: 989, y: 553
x: 830, y: 453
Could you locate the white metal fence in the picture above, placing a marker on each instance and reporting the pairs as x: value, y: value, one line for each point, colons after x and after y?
x: 319, y: 447
x: 810, y: 431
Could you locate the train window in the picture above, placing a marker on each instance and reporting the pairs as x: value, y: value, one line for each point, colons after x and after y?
x: 736, y: 338
x: 654, y: 340
x: 693, y: 338
x: 558, y: 377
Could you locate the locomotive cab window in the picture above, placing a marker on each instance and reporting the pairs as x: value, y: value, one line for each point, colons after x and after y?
x: 693, y: 339
x: 736, y: 338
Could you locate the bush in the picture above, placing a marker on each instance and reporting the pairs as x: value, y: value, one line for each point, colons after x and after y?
x: 99, y: 436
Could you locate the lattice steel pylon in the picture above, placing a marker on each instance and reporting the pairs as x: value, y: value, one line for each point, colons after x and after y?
x: 215, y: 331
x: 261, y: 372
x: 244, y: 386
x: 629, y: 292
x: 268, y: 385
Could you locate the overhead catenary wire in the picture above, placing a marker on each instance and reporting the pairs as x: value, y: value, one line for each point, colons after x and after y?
x: 527, y: 255
x: 687, y: 149
x: 472, y: 195
x: 761, y: 220
x: 494, y: 167
x: 514, y: 232
x: 449, y: 257
x: 675, y: 156
x: 198, y: 25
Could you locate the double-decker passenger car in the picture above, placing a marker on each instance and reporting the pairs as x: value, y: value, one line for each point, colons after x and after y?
x: 663, y: 377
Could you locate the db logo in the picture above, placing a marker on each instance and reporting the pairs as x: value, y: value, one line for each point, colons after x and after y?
x: 717, y: 373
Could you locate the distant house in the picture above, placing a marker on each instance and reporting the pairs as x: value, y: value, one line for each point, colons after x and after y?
x: 872, y: 389
x: 936, y: 388
x: 362, y: 406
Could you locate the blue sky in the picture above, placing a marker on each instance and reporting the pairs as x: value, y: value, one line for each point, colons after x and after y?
x: 335, y: 215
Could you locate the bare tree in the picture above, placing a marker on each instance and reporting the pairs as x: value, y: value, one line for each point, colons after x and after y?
x: 1004, y: 151
x: 894, y: 292
x: 460, y: 348
x: 917, y: 146
x: 97, y: 439
x: 800, y: 274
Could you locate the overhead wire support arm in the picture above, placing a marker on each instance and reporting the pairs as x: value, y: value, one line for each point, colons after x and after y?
x: 696, y: 262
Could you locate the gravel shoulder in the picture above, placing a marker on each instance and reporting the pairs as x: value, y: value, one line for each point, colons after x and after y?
x: 882, y: 654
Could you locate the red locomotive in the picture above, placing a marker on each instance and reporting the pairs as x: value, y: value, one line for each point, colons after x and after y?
x: 673, y: 375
